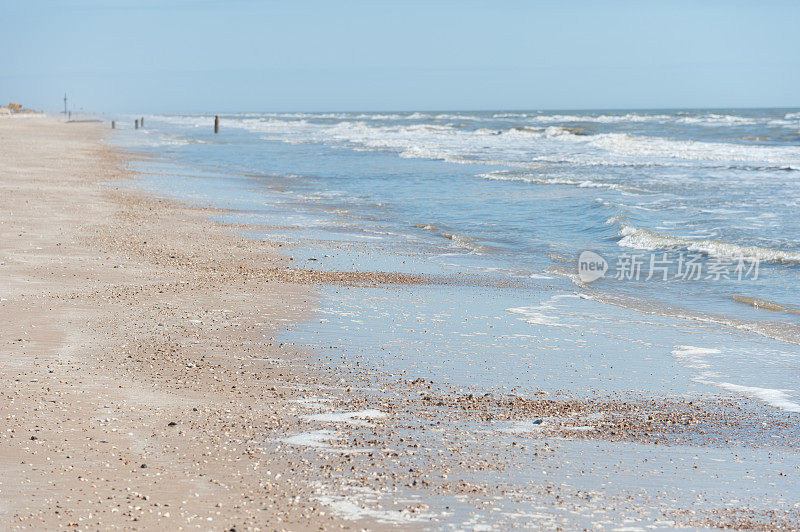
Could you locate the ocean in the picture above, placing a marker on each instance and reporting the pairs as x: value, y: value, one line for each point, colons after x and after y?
x: 688, y: 221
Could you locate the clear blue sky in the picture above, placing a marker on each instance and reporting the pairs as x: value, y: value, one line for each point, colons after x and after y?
x: 248, y: 55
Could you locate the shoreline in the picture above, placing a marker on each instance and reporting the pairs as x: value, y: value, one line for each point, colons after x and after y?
x: 142, y: 333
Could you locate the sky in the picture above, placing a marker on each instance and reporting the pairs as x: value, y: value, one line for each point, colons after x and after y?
x: 256, y: 56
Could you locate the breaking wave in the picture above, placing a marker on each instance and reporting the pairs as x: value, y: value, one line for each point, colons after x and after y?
x: 515, y: 145
x: 648, y: 240
x: 547, y: 180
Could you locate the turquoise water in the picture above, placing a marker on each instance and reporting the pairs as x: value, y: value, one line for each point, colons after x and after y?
x: 514, y: 198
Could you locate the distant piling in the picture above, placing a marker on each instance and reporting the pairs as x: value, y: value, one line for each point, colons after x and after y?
x: 141, y: 122
x: 113, y: 125
x: 136, y: 124
x: 216, y: 124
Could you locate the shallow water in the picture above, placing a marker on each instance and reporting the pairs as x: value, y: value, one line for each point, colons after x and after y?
x: 517, y: 197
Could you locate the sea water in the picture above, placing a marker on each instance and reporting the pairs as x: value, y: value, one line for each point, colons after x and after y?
x: 507, y: 202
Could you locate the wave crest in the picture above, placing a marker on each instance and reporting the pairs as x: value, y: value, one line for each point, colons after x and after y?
x: 648, y: 240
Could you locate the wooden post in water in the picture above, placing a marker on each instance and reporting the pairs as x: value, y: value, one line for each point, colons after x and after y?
x: 113, y: 125
x: 136, y: 123
x: 141, y: 122
x: 216, y: 124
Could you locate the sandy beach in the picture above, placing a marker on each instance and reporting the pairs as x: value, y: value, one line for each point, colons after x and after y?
x: 437, y: 266
x: 136, y: 377
x: 143, y: 388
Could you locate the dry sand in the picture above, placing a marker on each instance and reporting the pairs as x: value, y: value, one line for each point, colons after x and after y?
x: 132, y: 392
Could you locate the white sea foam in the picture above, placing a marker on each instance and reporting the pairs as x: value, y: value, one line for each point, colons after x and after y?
x: 543, y: 314
x: 707, y: 119
x: 625, y: 144
x: 352, y: 418
x: 548, y: 180
x: 365, y: 503
x: 716, y: 120
x: 320, y: 439
x: 518, y: 145
x: 694, y: 357
x: 354, y: 511
x: 648, y: 240
x: 773, y: 397
x: 523, y: 427
x: 464, y: 242
x: 601, y: 118
x: 149, y: 140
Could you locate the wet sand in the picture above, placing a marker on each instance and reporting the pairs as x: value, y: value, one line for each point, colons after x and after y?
x: 143, y: 388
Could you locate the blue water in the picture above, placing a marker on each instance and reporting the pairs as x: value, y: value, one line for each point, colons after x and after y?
x: 517, y: 197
